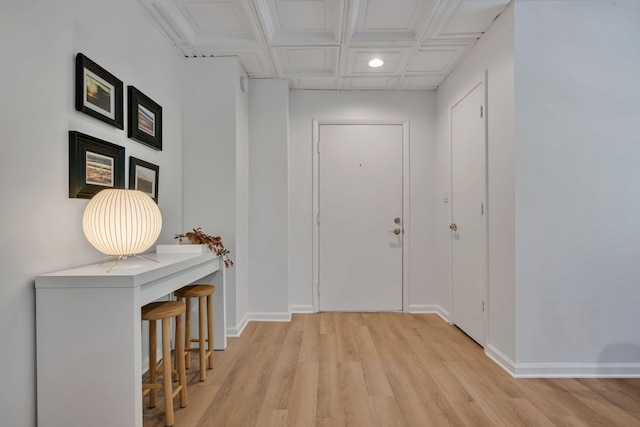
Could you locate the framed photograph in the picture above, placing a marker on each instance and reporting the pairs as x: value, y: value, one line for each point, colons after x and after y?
x: 143, y: 176
x: 98, y: 92
x: 94, y: 165
x: 145, y: 119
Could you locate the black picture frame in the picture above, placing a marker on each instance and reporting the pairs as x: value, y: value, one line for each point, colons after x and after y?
x: 94, y: 165
x: 98, y: 92
x: 144, y: 119
x: 144, y: 176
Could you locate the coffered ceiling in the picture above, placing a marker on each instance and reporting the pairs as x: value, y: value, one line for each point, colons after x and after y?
x: 327, y: 44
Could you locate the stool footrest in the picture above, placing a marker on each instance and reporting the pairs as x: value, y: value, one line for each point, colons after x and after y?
x: 197, y: 350
x: 176, y: 390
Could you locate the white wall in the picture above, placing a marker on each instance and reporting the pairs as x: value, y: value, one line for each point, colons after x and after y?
x: 41, y: 227
x: 578, y: 198
x: 419, y: 109
x: 268, y: 190
x: 215, y: 152
x: 494, y: 53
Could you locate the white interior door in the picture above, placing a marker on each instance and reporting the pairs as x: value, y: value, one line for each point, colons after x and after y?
x: 360, y: 206
x: 469, y: 261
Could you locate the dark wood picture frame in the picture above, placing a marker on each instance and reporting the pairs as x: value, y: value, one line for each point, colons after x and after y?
x: 144, y: 119
x: 98, y: 92
x: 94, y: 165
x: 144, y: 176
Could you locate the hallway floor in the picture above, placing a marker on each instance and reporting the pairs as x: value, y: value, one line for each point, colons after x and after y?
x: 383, y: 369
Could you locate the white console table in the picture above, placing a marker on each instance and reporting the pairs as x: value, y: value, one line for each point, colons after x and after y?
x: 88, y: 328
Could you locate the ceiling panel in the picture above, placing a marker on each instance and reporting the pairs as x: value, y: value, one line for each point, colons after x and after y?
x: 382, y: 21
x: 473, y: 17
x: 376, y: 15
x: 301, y: 15
x: 457, y: 19
x: 437, y: 58
x: 306, y: 61
x: 214, y: 17
x: 327, y: 44
x: 301, y: 22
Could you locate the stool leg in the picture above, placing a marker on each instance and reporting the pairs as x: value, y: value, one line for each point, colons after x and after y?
x: 153, y: 376
x: 166, y: 356
x: 210, y: 328
x: 201, y: 335
x: 187, y: 333
x: 182, y: 376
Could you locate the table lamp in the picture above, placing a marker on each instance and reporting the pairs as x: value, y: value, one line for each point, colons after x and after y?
x: 121, y: 223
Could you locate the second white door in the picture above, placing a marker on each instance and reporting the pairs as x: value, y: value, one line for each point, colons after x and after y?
x: 360, y: 223
x: 468, y: 212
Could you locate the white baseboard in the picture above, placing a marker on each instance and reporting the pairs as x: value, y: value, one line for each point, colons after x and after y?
x: 269, y: 317
x: 423, y: 308
x: 501, y: 359
x: 256, y: 317
x: 577, y: 370
x: 307, y: 308
x: 562, y: 370
x: 235, y: 332
x: 429, y: 309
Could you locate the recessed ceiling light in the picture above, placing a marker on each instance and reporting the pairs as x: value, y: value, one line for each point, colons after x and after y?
x: 376, y: 62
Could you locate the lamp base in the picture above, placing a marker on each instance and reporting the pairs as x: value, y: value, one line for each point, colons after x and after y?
x: 116, y: 258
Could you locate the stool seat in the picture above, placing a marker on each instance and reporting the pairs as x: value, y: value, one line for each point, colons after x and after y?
x: 195, y: 291
x: 204, y: 294
x: 162, y: 310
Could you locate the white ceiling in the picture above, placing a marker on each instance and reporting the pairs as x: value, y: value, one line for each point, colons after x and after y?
x: 326, y: 44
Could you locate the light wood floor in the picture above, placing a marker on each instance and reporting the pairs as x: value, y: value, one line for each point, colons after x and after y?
x: 384, y: 369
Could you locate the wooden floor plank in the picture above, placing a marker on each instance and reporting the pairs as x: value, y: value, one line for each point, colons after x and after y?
x: 310, y: 349
x: 303, y: 403
x: 375, y: 378
x: 330, y: 410
x: 278, y: 392
x: 387, y: 370
x: 385, y: 412
x: 355, y: 401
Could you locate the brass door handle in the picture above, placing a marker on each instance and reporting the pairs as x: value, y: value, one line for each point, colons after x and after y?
x: 453, y: 227
x: 396, y: 231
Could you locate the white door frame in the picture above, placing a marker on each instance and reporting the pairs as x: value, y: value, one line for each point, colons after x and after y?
x: 405, y: 202
x: 482, y: 79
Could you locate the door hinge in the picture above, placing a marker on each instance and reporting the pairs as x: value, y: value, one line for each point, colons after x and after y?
x: 481, y: 111
x: 318, y: 218
x: 483, y: 306
x: 481, y: 208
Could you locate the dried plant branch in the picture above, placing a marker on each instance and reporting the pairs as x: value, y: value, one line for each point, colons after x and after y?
x: 214, y: 243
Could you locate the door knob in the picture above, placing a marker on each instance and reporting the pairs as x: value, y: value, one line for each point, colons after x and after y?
x: 397, y: 220
x: 396, y: 231
x: 453, y: 227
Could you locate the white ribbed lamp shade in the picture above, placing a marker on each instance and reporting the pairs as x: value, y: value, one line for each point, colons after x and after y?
x: 121, y: 222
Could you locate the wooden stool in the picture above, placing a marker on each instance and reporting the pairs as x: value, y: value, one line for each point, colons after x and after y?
x: 164, y: 311
x: 206, y: 354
